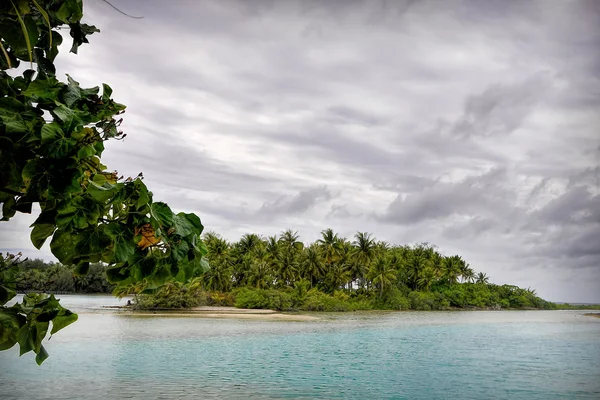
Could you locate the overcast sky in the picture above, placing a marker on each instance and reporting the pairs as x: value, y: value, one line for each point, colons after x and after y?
x: 472, y: 125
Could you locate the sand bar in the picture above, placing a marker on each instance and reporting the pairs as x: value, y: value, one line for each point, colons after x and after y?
x: 224, y: 312
x: 595, y: 315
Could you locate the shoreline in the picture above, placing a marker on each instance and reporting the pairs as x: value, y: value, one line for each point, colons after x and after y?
x: 593, y: 315
x: 221, y: 312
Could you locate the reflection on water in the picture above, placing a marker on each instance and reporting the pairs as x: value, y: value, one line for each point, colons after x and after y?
x: 469, y: 355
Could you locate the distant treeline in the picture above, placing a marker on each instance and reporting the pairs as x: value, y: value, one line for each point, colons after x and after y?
x: 337, y: 274
x: 40, y: 276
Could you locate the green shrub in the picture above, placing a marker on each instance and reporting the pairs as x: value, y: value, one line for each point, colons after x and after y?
x: 171, y: 296
x: 319, y: 301
x: 426, y: 301
x: 393, y: 299
x: 251, y: 298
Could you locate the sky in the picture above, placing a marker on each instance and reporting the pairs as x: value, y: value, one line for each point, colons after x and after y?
x: 471, y: 125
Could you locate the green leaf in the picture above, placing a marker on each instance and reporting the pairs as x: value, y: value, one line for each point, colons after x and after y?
x: 85, y: 152
x: 82, y: 269
x: 162, y: 213
x: 159, y: 278
x: 117, y: 274
x: 62, y: 320
x: 47, y: 316
x: 25, y: 340
x: 40, y: 233
x: 123, y: 246
x: 8, y: 209
x: 103, y: 193
x: 44, y: 87
x: 51, y: 132
x: 38, y: 331
x: 180, y: 251
x: 6, y: 294
x: 70, y: 11
x: 11, y: 116
x: 72, y: 92
x: 63, y: 246
x: 106, y: 92
x: 183, y: 226
x: 41, y: 355
x: 9, y: 326
x: 71, y: 119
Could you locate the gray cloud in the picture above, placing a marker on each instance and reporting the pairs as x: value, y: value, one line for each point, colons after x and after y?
x: 500, y: 109
x: 473, y: 196
x: 298, y: 204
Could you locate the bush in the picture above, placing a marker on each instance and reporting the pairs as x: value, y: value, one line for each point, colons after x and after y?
x: 171, y: 296
x: 426, y: 301
x: 263, y: 299
x: 319, y: 301
x: 220, y: 299
x: 251, y: 298
x: 393, y: 299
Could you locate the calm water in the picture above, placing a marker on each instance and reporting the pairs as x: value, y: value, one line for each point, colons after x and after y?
x: 430, y: 355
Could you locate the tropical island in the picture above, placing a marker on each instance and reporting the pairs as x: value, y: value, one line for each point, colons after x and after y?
x: 284, y: 274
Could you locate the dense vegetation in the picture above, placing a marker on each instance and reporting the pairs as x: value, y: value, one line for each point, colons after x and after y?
x: 336, y: 274
x: 38, y: 276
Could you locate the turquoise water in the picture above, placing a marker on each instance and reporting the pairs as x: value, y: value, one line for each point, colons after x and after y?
x: 410, y: 355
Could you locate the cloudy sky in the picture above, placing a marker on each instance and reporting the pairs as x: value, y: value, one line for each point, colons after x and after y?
x: 472, y: 125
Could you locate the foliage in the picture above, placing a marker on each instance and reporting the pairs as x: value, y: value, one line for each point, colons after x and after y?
x: 334, y: 274
x: 172, y: 295
x: 52, y: 136
x: 28, y: 323
x: 37, y: 275
x: 260, y: 298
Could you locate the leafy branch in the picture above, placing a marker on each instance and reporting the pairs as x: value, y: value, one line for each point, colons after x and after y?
x: 88, y: 213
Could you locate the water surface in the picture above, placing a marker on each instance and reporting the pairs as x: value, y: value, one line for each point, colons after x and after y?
x: 403, y: 355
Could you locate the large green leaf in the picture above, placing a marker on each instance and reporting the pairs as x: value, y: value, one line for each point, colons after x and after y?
x: 6, y: 294
x: 180, y: 251
x: 162, y: 213
x: 25, y: 339
x: 41, y: 356
x: 44, y: 87
x: 70, y: 11
x: 183, y: 226
x: 12, y: 113
x: 123, y: 246
x: 63, y: 246
x: 9, y: 326
x: 40, y: 233
x: 103, y: 193
x: 63, y: 319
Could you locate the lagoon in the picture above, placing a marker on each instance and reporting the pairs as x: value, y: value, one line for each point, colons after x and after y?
x: 381, y: 355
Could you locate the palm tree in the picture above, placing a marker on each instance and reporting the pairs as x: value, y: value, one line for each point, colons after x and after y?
x: 452, y: 268
x: 330, y: 246
x: 287, y: 268
x: 427, y: 277
x: 416, y: 261
x: 336, y: 276
x: 382, y: 274
x: 482, y: 279
x: 312, y: 265
x: 467, y: 274
x: 259, y: 275
x: 247, y: 242
x: 362, y: 256
x: 289, y: 240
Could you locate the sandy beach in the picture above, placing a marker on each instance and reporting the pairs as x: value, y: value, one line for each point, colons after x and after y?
x: 595, y: 315
x: 226, y: 312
